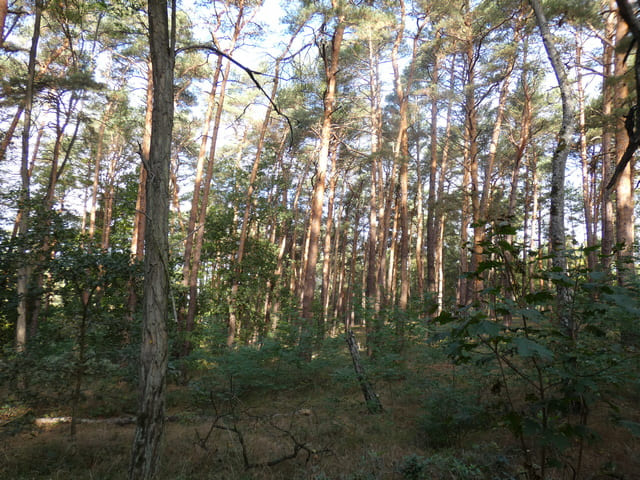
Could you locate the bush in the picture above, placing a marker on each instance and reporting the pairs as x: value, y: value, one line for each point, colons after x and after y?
x: 478, y: 463
x: 451, y: 412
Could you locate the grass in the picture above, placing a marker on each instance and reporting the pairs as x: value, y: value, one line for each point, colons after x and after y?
x: 321, y: 407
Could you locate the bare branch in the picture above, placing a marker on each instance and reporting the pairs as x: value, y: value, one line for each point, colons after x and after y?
x: 252, y: 74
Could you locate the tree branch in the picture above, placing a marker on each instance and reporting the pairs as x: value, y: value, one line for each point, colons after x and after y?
x: 628, y: 15
x: 252, y: 75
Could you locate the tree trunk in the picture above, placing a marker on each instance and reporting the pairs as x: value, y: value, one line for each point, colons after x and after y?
x: 109, y: 199
x: 139, y: 220
x: 607, y: 137
x: 194, y: 214
x: 25, y: 195
x: 473, y: 283
x: 401, y: 157
x: 440, y: 214
x: 624, y: 185
x: 145, y: 454
x: 432, y: 233
x: 587, y: 172
x: 331, y: 70
x: 372, y: 290
x: 371, y: 398
x: 8, y: 135
x: 97, y: 165
x: 558, y: 164
x: 419, y: 224
x: 4, y: 5
x: 326, y: 250
x: 248, y: 200
x: 202, y: 215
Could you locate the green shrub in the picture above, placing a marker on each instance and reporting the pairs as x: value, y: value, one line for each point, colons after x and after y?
x: 451, y: 412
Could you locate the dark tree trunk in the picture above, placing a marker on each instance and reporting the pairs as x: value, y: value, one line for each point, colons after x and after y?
x: 145, y: 453
x: 370, y: 397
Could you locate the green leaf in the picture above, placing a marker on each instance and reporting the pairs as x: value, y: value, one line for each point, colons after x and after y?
x: 486, y: 327
x: 530, y: 314
x: 555, y: 440
x: 528, y: 348
x: 539, y: 298
x: 445, y: 317
x: 505, y: 229
x: 506, y: 246
x: 624, y: 301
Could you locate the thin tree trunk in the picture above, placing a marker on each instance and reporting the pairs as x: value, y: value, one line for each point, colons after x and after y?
x: 202, y: 215
x: 248, y: 200
x: 392, y: 264
x: 197, y: 187
x: 474, y: 283
x: 8, y: 135
x: 558, y: 164
x: 587, y: 171
x: 432, y: 233
x: 607, y: 137
x: 372, y: 290
x: 326, y: 250
x: 440, y: 213
x: 401, y: 157
x: 331, y: 60
x: 420, y: 224
x: 371, y: 399
x: 470, y: 196
x: 145, y: 454
x: 96, y: 172
x: 109, y: 200
x: 525, y: 135
x: 139, y: 220
x: 4, y: 6
x: 24, y: 270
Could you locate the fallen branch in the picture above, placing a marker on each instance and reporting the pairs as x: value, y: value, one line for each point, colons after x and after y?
x: 220, y: 424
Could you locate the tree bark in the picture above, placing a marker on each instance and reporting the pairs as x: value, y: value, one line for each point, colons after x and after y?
x: 139, y: 220
x: 624, y: 183
x: 24, y: 270
x: 607, y: 225
x: 331, y: 62
x: 4, y: 6
x: 97, y: 166
x: 401, y: 152
x: 558, y: 165
x: 473, y: 283
x: 145, y: 454
x: 8, y: 135
x: 440, y: 216
x: 432, y: 233
x: 326, y: 249
x: 371, y: 398
x: 589, y: 204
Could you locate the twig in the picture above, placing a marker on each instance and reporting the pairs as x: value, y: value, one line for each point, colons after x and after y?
x: 252, y: 75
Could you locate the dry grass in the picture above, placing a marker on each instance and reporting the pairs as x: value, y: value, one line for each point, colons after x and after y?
x: 342, y: 440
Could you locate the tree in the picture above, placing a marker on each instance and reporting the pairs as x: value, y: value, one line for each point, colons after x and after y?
x: 627, y: 142
x: 330, y: 53
x: 145, y: 454
x: 25, y: 196
x: 558, y: 166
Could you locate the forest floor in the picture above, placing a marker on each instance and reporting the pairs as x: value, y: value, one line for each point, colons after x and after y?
x: 319, y: 429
